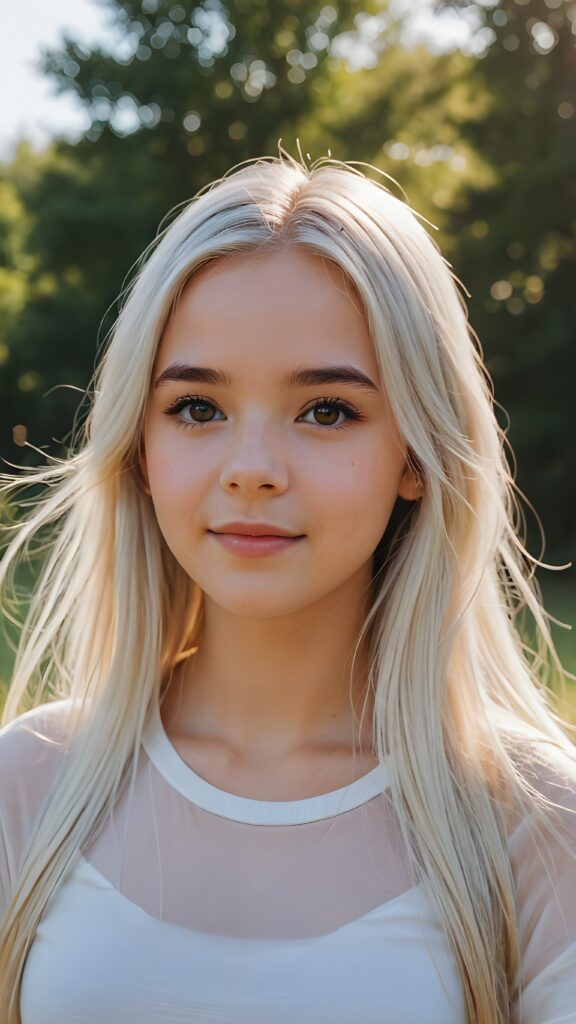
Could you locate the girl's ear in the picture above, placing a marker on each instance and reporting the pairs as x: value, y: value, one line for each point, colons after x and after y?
x: 411, y: 486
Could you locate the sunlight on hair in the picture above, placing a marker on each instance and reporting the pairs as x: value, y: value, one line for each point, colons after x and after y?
x: 462, y: 707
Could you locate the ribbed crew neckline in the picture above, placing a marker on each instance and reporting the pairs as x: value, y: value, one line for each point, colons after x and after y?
x: 203, y: 794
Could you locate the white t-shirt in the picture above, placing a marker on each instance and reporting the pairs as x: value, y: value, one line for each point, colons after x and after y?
x: 193, y: 904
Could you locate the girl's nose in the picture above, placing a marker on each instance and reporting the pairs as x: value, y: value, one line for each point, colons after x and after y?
x: 255, y: 460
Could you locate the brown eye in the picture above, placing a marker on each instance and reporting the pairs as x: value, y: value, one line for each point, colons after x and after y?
x: 192, y: 410
x: 328, y: 413
x: 328, y: 409
x: 204, y: 410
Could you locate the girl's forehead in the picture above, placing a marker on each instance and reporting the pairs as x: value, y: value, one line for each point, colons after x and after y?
x: 289, y: 281
x: 286, y: 306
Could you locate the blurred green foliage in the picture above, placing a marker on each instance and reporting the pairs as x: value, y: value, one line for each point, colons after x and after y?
x: 482, y: 143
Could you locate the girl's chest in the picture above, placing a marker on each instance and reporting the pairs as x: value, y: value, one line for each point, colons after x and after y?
x: 98, y: 957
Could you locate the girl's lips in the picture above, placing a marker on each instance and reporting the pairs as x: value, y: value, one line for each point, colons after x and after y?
x: 248, y: 546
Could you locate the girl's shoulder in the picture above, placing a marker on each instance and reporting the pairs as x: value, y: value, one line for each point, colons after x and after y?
x: 550, y: 777
x: 551, y: 773
x: 32, y: 747
x: 33, y: 737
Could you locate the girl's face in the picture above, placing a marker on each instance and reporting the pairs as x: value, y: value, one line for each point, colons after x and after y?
x: 229, y: 436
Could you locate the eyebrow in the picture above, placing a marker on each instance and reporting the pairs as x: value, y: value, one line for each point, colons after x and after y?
x: 300, y: 377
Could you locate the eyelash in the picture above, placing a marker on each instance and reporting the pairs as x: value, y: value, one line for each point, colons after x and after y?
x: 336, y: 403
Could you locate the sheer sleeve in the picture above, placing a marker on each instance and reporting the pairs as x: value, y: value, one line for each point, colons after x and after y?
x: 545, y: 874
x: 4, y: 869
x: 30, y: 754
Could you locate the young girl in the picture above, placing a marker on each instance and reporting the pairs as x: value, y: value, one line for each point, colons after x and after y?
x: 285, y: 760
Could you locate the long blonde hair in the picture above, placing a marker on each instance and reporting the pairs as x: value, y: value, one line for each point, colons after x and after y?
x: 456, y: 695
